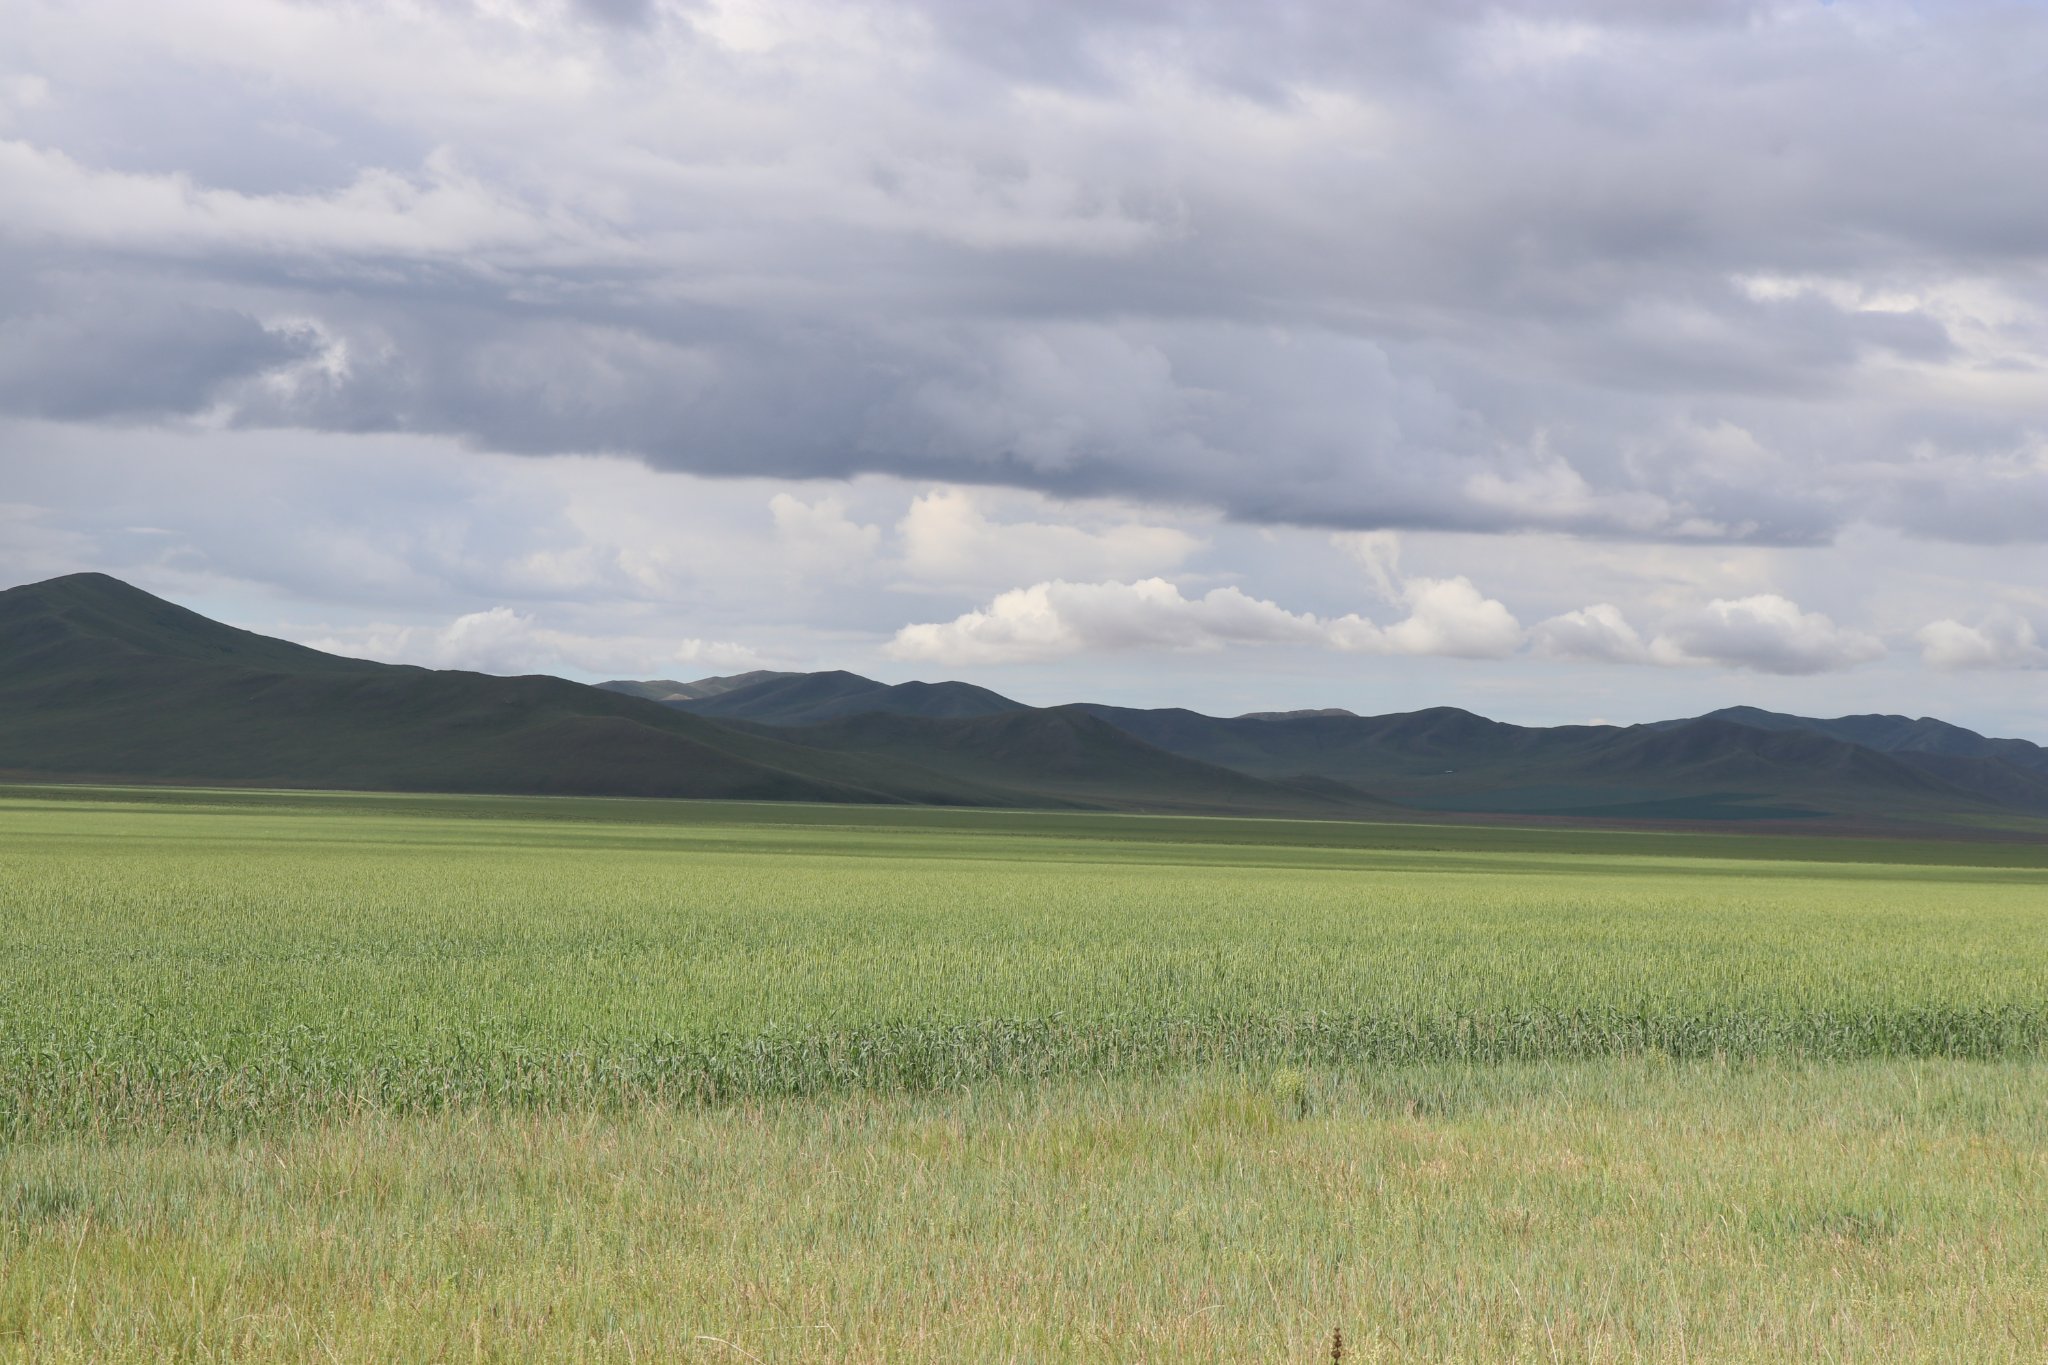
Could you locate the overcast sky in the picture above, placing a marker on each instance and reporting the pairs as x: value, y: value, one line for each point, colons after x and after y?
x: 1609, y: 360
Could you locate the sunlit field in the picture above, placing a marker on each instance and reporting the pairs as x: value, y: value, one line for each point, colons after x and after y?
x: 371, y: 1078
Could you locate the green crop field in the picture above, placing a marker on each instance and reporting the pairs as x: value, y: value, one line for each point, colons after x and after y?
x: 319, y: 1076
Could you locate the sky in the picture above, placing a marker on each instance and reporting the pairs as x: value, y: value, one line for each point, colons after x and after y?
x: 1565, y: 360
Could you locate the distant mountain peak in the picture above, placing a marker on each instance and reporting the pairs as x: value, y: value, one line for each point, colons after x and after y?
x: 102, y: 681
x: 1299, y: 715
x: 1893, y: 734
x: 834, y: 694
x: 669, y: 690
x: 87, y: 619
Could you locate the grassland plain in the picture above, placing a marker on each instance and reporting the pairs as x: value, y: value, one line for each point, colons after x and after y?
x: 378, y: 1078
x: 186, y: 966
x: 1617, y: 1210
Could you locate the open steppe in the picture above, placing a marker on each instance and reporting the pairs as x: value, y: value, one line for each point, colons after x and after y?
x: 320, y: 1076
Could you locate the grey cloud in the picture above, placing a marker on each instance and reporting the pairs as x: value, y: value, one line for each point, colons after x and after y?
x: 1998, y: 506
x: 1469, y: 266
x: 100, y: 355
x: 1263, y: 51
x: 622, y: 13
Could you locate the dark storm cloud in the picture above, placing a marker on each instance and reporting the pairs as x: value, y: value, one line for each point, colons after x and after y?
x: 624, y: 13
x: 94, y: 350
x: 1999, y: 509
x: 1681, y: 270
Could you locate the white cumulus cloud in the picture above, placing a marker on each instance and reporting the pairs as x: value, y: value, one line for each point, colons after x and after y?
x: 1447, y: 617
x: 2003, y: 640
x: 1049, y: 620
x: 1765, y: 633
x: 819, y: 537
x: 949, y: 539
x: 505, y: 641
x: 1599, y: 632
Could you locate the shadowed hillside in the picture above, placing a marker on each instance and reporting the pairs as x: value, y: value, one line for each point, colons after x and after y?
x: 99, y: 679
x: 1736, y: 764
x: 1900, y: 735
x: 1713, y: 767
x: 669, y: 690
x: 813, y: 698
x: 1066, y: 752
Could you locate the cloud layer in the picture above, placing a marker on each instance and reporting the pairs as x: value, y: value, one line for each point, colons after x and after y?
x: 1445, y: 618
x: 1564, y: 357
x: 2003, y: 640
x: 501, y: 640
x: 1747, y: 272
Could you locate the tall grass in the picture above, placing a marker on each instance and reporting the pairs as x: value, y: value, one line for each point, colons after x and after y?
x: 1623, y: 1210
x: 224, y: 969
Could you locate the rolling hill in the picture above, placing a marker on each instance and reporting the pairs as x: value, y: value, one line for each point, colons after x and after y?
x: 101, y: 681
x: 1898, y: 735
x: 813, y: 698
x: 1733, y: 764
x: 669, y: 690
x: 1708, y: 767
x: 1067, y: 753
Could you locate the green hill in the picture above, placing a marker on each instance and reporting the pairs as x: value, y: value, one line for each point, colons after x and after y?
x: 813, y: 698
x: 1739, y: 763
x: 1068, y: 754
x: 1712, y: 767
x: 669, y: 690
x: 101, y: 680
x: 1902, y: 735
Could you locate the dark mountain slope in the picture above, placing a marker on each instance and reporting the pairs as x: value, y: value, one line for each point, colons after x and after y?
x: 1988, y: 779
x: 79, y: 624
x: 1363, y: 750
x: 1897, y: 735
x: 812, y: 698
x: 1065, y: 753
x: 667, y: 689
x: 99, y: 679
x: 1717, y: 754
x: 1448, y: 759
x: 1734, y: 764
x: 1711, y: 752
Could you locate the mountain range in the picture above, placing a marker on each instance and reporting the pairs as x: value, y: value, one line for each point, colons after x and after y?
x: 1739, y: 762
x: 102, y: 681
